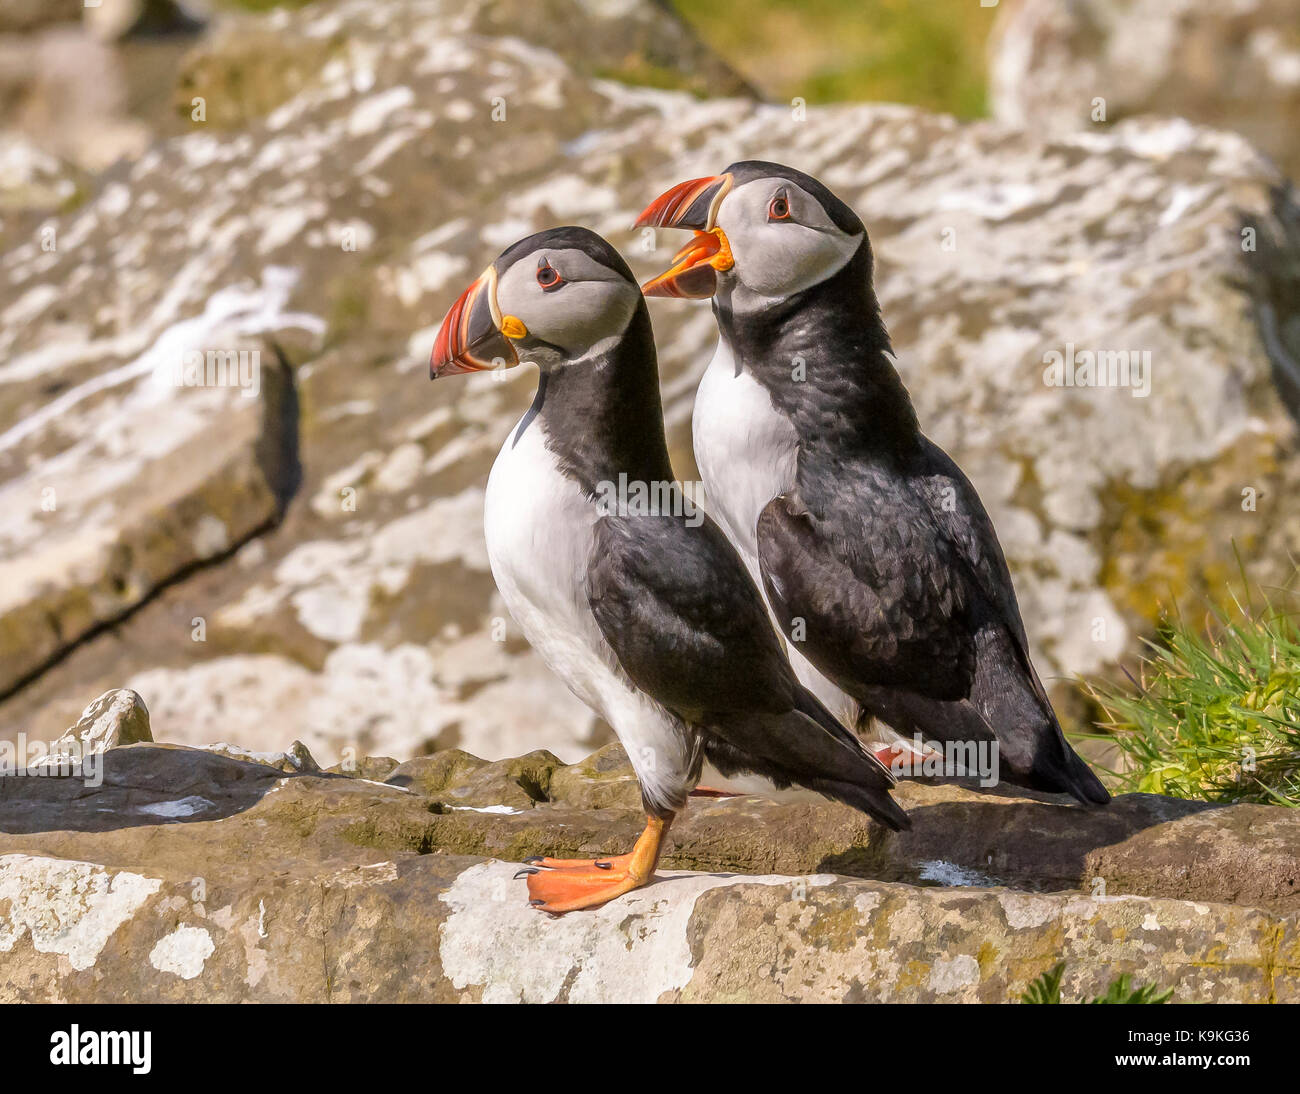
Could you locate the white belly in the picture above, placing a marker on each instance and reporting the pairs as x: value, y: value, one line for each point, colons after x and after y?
x: 539, y: 532
x: 747, y: 454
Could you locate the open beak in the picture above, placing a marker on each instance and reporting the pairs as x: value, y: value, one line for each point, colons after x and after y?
x: 471, y: 338
x: 692, y: 204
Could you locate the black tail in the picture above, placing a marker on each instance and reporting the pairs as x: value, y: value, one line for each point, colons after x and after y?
x: 1060, y: 768
x: 1031, y: 742
x: 1032, y: 749
x: 809, y: 747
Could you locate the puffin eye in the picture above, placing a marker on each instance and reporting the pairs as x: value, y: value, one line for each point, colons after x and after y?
x: 548, y: 277
x: 779, y: 209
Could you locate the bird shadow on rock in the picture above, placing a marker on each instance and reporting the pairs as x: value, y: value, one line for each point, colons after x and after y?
x: 964, y: 835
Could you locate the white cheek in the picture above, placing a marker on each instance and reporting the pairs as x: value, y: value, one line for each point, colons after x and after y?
x: 784, y: 259
x: 580, y: 315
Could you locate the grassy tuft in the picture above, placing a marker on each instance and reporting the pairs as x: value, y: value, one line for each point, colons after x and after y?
x: 1214, y: 713
x: 1047, y: 989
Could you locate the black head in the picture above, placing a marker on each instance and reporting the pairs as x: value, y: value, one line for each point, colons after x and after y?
x: 760, y: 226
x: 551, y: 298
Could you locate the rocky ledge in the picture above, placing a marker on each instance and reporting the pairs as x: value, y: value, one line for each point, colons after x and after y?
x: 166, y: 872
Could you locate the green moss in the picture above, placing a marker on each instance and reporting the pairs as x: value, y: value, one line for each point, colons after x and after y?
x: 927, y: 54
x: 643, y: 73
x: 1177, y: 536
x: 247, y: 76
x: 834, y: 929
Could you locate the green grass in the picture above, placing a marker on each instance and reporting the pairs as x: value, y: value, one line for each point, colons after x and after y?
x: 930, y: 53
x: 1047, y: 989
x: 1214, y: 712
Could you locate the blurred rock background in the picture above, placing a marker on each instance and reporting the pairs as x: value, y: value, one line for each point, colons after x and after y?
x: 302, y: 558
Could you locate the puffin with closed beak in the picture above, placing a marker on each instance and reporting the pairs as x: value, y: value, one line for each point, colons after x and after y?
x: 642, y: 608
x: 874, y: 551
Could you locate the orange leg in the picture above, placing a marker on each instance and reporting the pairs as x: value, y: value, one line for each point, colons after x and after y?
x: 565, y: 885
x: 900, y: 759
x: 888, y: 754
x: 713, y: 792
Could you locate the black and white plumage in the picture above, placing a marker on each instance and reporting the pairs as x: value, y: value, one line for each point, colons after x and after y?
x: 645, y: 613
x: 876, y: 555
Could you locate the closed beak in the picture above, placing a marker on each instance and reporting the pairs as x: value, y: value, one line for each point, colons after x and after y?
x: 470, y: 338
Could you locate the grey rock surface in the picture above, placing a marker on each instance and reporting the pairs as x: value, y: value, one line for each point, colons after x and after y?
x: 190, y: 874
x: 1235, y: 66
x: 336, y: 209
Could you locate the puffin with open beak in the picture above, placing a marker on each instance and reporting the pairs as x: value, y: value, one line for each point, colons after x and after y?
x: 874, y: 551
x: 640, y: 606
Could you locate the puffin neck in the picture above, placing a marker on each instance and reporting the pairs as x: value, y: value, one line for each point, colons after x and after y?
x: 602, y: 416
x: 832, y: 334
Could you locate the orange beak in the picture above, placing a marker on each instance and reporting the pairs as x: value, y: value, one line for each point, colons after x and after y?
x: 470, y: 338
x: 694, y: 272
x: 692, y: 204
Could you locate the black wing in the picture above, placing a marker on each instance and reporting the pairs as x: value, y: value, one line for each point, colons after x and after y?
x: 868, y: 588
x: 689, y: 628
x: 906, y: 602
x: 1005, y: 671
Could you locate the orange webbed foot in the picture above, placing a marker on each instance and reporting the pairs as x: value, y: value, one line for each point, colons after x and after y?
x: 567, y: 885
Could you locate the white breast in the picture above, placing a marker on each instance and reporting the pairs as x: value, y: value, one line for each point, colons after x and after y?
x: 539, y: 531
x: 747, y: 453
x: 745, y: 450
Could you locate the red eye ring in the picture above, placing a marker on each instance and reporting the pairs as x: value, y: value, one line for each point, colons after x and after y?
x: 548, y: 277
x: 779, y: 209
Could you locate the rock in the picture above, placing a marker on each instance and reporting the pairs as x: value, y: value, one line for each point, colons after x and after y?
x: 251, y: 65
x: 138, y: 486
x: 294, y: 759
x: 65, y: 89
x: 604, y: 780
x: 20, y: 16
x: 114, y: 19
x: 115, y: 718
x: 639, y: 42
x: 32, y: 183
x: 367, y: 622
x: 1236, y: 66
x: 462, y: 782
x: 241, y: 882
x: 1142, y: 844
x: 371, y: 768
x: 107, y: 18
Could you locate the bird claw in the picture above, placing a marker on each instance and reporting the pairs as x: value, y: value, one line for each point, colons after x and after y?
x: 525, y: 872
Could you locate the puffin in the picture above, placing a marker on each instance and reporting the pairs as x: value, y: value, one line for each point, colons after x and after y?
x: 633, y: 598
x: 876, y: 556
